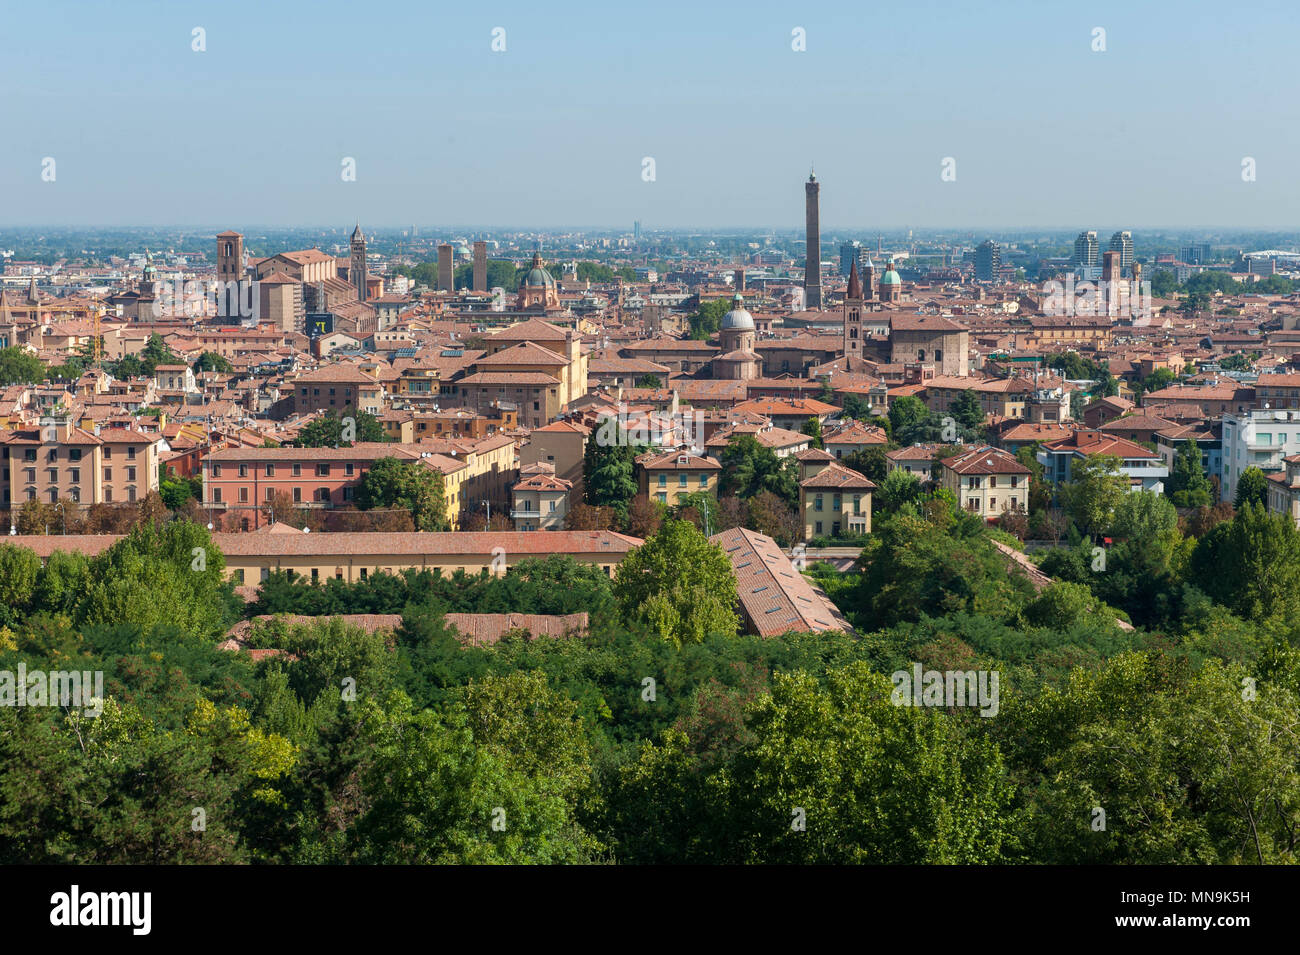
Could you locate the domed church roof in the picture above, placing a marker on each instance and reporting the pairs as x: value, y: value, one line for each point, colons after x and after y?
x: 537, y: 276
x: 738, y: 319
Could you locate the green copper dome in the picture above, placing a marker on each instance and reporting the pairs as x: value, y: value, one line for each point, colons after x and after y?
x: 537, y: 276
x: 890, y: 277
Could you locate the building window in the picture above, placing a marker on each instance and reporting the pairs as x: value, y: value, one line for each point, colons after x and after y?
x: 270, y: 470
x: 216, y: 470
x: 322, y: 470
x: 297, y: 495
x: 74, y: 454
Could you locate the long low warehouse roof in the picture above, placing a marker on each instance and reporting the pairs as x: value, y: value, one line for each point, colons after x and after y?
x: 455, y: 543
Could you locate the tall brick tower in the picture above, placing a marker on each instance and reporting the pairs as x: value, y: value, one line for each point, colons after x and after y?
x: 446, y: 269
x: 812, y: 270
x: 853, y: 305
x: 357, y: 267
x: 230, y: 256
x: 480, y: 266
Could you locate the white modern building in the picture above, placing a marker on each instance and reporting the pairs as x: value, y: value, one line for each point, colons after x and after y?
x: 1260, y: 438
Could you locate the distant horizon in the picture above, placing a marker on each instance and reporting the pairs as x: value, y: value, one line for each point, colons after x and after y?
x: 867, y: 231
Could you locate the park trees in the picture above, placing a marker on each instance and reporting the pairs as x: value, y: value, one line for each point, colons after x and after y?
x: 408, y: 485
x: 1187, y: 485
x: 1095, y: 489
x: 1252, y: 488
x: 18, y: 366
x: 1251, y: 564
x: 334, y: 431
x: 678, y: 585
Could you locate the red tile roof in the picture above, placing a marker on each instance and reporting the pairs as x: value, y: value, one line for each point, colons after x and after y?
x: 775, y: 597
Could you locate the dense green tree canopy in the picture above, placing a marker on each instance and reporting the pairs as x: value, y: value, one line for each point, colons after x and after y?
x: 342, y: 430
x: 406, y: 485
x: 679, y: 585
x: 1252, y: 488
x: 18, y: 366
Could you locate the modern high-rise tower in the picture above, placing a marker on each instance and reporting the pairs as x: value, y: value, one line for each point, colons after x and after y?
x: 851, y: 252
x: 1122, y: 242
x: 357, y: 266
x: 1085, y: 250
x: 812, y: 270
x: 988, y: 261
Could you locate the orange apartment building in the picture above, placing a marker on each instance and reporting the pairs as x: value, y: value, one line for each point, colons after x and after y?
x: 240, y: 482
x: 59, y: 461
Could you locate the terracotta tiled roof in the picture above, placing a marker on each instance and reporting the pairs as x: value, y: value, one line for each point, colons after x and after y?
x: 775, y: 597
x: 837, y: 476
x: 509, y: 378
x: 480, y: 629
x: 417, y: 544
x: 856, y: 433
x: 813, y: 454
x: 532, y: 329
x: 673, y: 460
x: 1087, y: 443
x: 525, y: 353
x: 985, y: 460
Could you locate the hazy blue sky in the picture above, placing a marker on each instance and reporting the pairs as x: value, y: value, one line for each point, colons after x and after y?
x: 1045, y: 132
